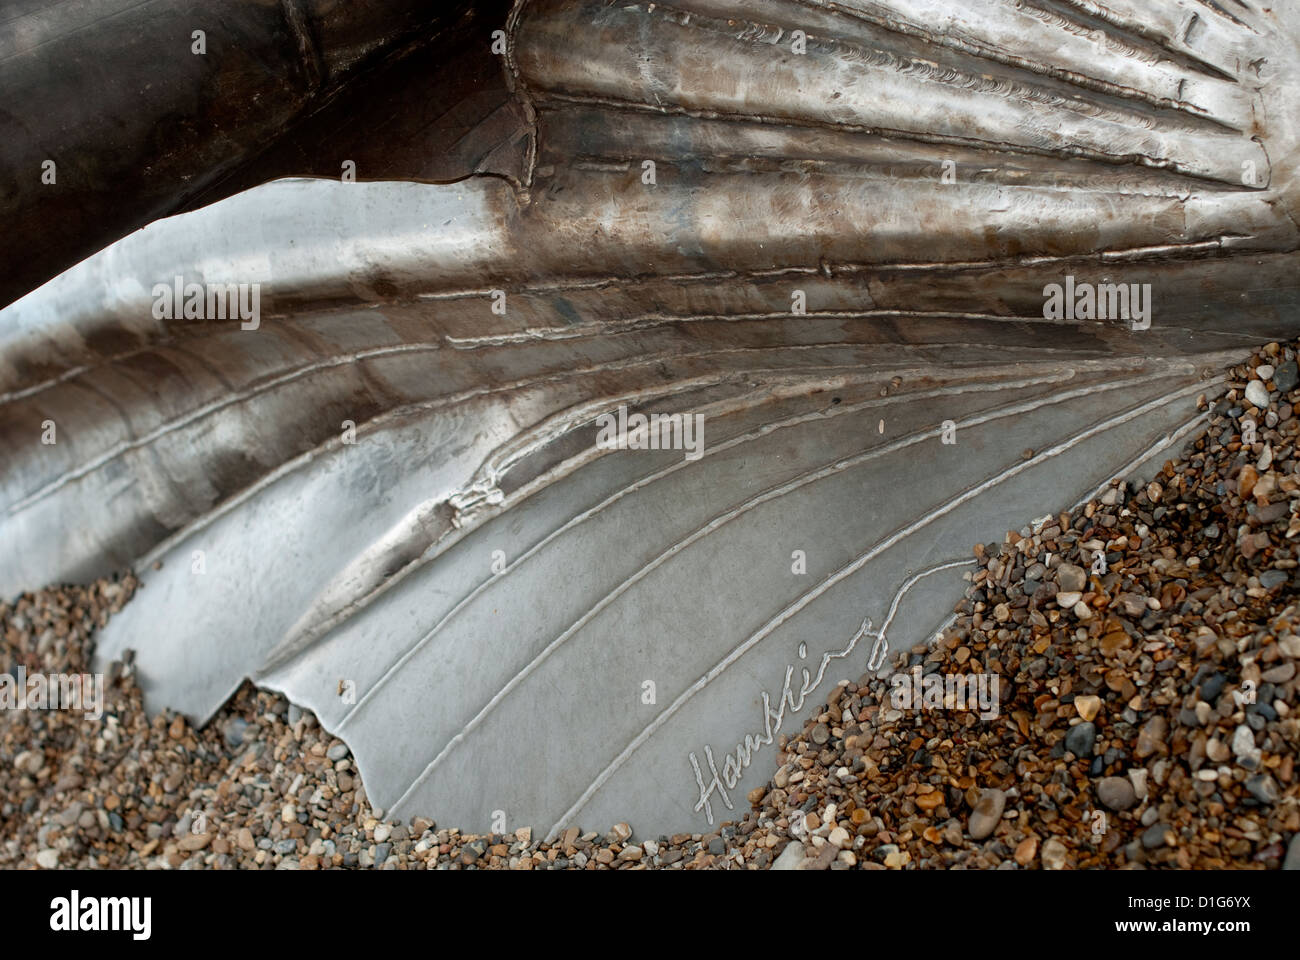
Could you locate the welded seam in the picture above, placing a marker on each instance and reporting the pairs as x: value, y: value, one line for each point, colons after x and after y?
x: 519, y: 87
x: 1063, y: 153
x: 770, y: 494
x: 1168, y: 440
x: 844, y: 572
x: 645, y: 481
x: 984, y: 50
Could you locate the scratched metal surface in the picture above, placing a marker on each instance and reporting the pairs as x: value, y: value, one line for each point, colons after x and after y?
x: 139, y: 126
x: 1106, y: 141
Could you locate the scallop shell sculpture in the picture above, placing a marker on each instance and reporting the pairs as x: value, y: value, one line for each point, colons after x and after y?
x: 664, y: 378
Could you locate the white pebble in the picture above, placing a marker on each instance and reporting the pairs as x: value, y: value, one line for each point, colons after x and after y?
x: 1257, y: 394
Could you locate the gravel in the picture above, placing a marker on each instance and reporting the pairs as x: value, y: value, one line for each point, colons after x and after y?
x: 1145, y: 647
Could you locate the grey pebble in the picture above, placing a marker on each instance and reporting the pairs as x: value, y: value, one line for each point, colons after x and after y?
x: 1116, y: 793
x: 1080, y: 739
x: 988, y: 811
x: 1286, y: 376
x: 1273, y: 578
x: 234, y: 731
x: 1263, y: 788
x: 1292, y: 861
x: 1155, y: 835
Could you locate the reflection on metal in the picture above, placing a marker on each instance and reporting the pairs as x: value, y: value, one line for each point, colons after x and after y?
x: 827, y: 228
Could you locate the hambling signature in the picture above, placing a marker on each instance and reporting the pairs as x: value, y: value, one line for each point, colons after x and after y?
x: 742, y: 756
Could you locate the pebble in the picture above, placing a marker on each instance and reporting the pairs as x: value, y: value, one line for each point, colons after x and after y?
x: 1054, y: 854
x: 1071, y: 578
x: 234, y: 729
x: 1137, y: 776
x: 1292, y: 861
x: 1087, y: 707
x: 1026, y: 850
x: 1257, y: 394
x: 1244, y: 749
x: 1116, y: 793
x: 1271, y: 579
x: 1157, y: 835
x: 1263, y: 788
x: 1080, y: 739
x: 30, y: 762
x: 988, y: 811
x: 1151, y: 738
x: 791, y: 857
x: 1286, y: 376
x: 1279, y: 674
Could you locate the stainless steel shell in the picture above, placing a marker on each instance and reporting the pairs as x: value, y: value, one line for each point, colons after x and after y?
x: 831, y: 231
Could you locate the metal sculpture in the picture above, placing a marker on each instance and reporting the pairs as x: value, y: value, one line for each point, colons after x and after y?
x: 881, y: 278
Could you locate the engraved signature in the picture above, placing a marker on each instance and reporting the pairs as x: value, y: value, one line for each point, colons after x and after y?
x: 739, y: 758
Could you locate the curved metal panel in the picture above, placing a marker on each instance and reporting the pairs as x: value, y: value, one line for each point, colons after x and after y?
x: 824, y: 236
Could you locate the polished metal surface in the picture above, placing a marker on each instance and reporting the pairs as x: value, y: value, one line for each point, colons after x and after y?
x: 828, y: 229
